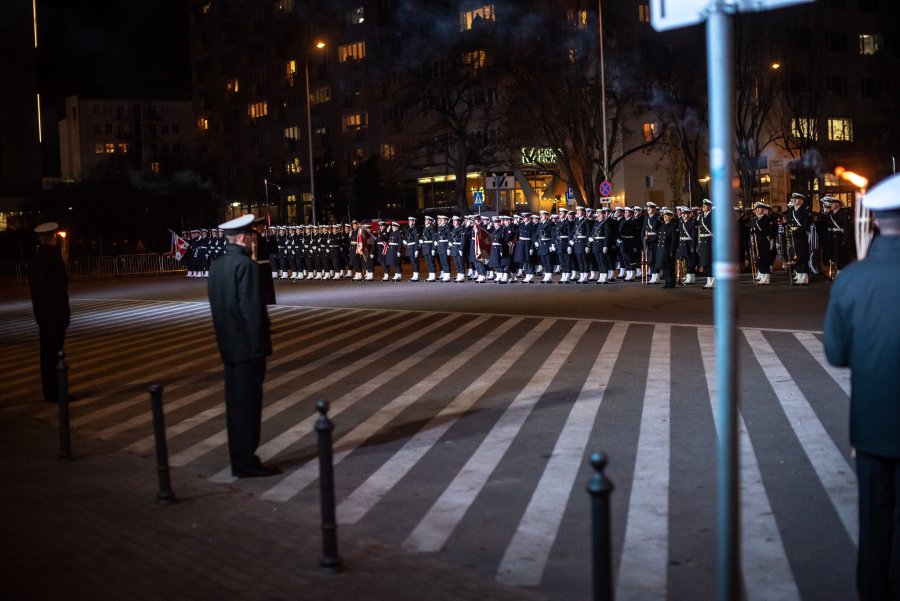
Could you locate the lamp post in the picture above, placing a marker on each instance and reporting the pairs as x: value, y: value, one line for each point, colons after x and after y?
x: 312, y: 168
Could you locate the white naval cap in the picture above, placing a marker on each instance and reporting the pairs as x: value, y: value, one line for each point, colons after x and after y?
x: 46, y: 227
x: 240, y: 224
x: 885, y: 196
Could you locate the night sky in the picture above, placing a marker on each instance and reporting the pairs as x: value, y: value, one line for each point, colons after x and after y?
x: 110, y: 49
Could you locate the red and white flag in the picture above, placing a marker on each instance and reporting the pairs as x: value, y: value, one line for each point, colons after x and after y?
x: 180, y: 246
x: 482, y: 244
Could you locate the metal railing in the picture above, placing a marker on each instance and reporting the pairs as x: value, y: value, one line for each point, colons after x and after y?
x: 101, y: 267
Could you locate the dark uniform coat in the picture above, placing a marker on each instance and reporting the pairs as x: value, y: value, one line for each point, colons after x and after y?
x: 241, y: 324
x: 862, y: 331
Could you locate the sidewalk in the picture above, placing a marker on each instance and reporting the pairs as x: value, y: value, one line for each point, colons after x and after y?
x: 91, y: 529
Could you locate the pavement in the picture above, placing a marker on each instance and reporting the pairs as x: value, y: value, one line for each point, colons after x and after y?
x: 92, y: 529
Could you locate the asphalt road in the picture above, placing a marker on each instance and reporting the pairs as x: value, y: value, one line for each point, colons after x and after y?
x: 465, y: 414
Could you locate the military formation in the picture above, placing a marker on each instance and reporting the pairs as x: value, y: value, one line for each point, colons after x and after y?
x: 649, y: 244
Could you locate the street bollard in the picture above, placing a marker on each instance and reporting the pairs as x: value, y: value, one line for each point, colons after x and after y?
x: 165, y: 496
x: 62, y: 390
x: 600, y: 487
x: 331, y: 561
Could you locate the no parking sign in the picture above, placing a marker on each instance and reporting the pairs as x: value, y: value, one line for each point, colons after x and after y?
x: 605, y: 188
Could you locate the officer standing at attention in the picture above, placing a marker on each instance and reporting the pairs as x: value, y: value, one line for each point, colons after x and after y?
x: 666, y: 247
x: 242, y: 324
x: 50, y: 299
x: 862, y: 332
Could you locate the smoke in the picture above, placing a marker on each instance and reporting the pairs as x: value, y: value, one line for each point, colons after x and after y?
x: 810, y: 160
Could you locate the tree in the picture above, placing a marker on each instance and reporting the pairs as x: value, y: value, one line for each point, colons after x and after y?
x: 552, y: 89
x: 758, y: 84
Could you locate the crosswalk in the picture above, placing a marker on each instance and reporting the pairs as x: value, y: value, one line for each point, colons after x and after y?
x: 467, y: 435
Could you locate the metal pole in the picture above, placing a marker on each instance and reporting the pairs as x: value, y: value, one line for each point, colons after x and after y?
x: 331, y: 561
x: 725, y: 269
x: 62, y: 391
x: 602, y: 90
x: 269, y: 217
x: 165, y: 496
x: 312, y: 167
x: 600, y: 487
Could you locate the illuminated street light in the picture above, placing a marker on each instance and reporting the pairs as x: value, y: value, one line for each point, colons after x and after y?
x: 312, y: 168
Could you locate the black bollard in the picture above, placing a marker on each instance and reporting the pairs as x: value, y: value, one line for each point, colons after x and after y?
x: 331, y: 561
x: 165, y: 496
x: 62, y: 389
x: 599, y: 487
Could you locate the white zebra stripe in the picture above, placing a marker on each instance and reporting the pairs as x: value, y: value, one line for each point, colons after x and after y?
x: 814, y: 347
x: 831, y: 466
x: 643, y: 567
x: 181, y: 427
x: 767, y: 572
x: 441, y: 520
x: 370, y: 492
x: 526, y: 556
x: 299, y: 479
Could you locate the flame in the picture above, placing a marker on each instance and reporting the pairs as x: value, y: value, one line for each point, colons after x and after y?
x: 854, y: 178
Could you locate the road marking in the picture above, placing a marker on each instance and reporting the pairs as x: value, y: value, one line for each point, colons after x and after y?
x: 299, y: 479
x: 831, y: 466
x: 643, y: 567
x: 441, y: 520
x: 370, y: 492
x: 221, y: 437
x: 526, y: 556
x: 813, y: 345
x: 767, y: 572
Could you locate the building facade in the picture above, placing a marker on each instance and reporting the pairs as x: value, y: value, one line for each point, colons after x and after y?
x: 102, y: 136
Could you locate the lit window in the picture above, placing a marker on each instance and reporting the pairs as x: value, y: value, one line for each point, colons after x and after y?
x: 110, y: 148
x: 577, y: 18
x: 649, y: 131
x: 355, y: 121
x: 203, y: 124
x: 99, y: 148
x: 352, y: 52
x: 293, y: 167
x: 356, y: 16
x: 232, y: 85
x: 476, y: 59
x: 284, y: 6
x: 290, y: 72
x: 123, y: 148
x: 869, y: 44
x: 154, y: 167
x: 255, y: 110
x: 840, y: 130
x: 804, y: 128
x: 320, y: 95
x: 292, y: 133
x: 644, y: 13
x: 321, y: 129
x: 388, y: 151
x: 472, y: 18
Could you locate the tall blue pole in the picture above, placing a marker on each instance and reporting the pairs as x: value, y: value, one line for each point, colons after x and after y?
x: 726, y: 270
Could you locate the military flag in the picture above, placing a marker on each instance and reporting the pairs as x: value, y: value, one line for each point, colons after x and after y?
x: 482, y: 239
x: 180, y: 246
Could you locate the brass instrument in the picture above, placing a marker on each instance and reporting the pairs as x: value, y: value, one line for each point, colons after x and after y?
x: 790, y: 252
x: 754, y: 258
x: 680, y: 270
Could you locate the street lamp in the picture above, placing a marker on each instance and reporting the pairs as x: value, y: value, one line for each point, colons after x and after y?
x: 312, y: 168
